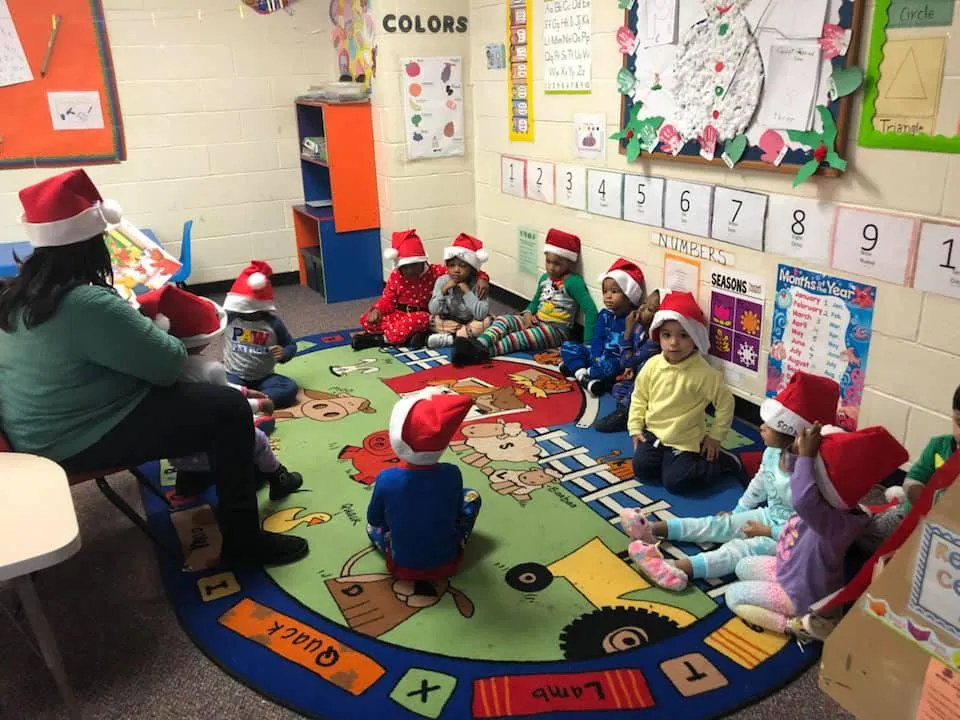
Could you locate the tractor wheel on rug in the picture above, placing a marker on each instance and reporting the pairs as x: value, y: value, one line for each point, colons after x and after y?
x: 613, y: 629
x: 529, y: 577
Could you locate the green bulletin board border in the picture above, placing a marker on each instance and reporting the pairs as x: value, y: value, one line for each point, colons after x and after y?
x: 869, y: 135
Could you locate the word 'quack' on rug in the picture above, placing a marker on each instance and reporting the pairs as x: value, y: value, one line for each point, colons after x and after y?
x: 546, y: 616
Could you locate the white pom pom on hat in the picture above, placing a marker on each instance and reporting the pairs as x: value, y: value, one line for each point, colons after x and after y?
x: 390, y: 254
x: 257, y: 281
x: 482, y: 255
x: 162, y: 322
x: 111, y: 211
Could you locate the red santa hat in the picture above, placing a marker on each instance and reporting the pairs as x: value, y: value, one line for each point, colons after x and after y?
x: 422, y: 424
x: 682, y: 307
x: 252, y: 291
x: 849, y: 464
x: 629, y: 277
x: 468, y: 249
x: 807, y: 399
x: 65, y: 209
x: 194, y: 319
x: 406, y: 248
x: 563, y: 244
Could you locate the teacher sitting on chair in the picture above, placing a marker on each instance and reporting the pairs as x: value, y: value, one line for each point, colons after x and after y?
x: 89, y: 382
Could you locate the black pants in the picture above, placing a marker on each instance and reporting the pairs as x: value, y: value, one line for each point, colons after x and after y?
x: 678, y: 471
x: 185, y: 419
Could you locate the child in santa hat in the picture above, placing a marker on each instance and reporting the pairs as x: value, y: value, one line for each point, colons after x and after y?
x: 402, y: 314
x: 636, y: 347
x: 749, y: 529
x: 196, y: 321
x: 597, y: 366
x: 420, y: 515
x: 455, y: 308
x: 550, y: 316
x: 831, y: 476
x: 668, y: 408
x: 256, y: 338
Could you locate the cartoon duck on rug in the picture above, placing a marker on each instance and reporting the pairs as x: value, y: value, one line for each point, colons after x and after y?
x: 287, y: 519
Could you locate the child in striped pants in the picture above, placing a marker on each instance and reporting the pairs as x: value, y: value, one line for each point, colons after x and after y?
x: 548, y: 319
x: 750, y: 529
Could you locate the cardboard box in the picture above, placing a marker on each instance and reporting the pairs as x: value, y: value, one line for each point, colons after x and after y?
x: 875, y: 663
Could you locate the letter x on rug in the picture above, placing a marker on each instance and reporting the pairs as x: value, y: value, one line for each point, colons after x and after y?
x: 547, y: 616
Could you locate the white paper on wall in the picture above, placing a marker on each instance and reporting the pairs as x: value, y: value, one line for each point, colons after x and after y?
x: 76, y: 110
x: 567, y: 46
x: 14, y: 68
x: 433, y: 107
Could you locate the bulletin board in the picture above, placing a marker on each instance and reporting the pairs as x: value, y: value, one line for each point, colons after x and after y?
x: 79, y: 64
x: 912, y: 88
x: 652, y: 76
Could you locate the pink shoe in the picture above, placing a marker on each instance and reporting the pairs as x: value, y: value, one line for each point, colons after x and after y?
x: 636, y: 525
x: 659, y: 571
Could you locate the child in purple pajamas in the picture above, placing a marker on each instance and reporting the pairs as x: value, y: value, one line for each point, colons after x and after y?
x: 778, y: 593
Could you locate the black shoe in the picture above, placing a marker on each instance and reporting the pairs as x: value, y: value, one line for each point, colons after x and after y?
x: 729, y: 463
x: 469, y: 351
x: 193, y: 482
x: 614, y: 422
x: 266, y: 548
x: 282, y: 482
x: 565, y: 371
x: 417, y: 341
x: 364, y: 341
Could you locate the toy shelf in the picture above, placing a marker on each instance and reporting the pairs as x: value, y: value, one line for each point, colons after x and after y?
x: 337, y: 227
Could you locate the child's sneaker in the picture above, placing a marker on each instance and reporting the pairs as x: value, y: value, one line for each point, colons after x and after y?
x: 614, y: 422
x: 439, y: 340
x: 656, y: 568
x: 636, y: 525
x: 811, y: 627
x: 265, y: 423
x: 364, y: 341
x: 282, y: 482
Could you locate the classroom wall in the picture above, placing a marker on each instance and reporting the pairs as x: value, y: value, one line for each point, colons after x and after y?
x: 914, y: 361
x: 210, y: 126
x: 434, y: 196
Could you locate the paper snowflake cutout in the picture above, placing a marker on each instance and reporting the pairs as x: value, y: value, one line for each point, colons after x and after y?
x: 748, y: 355
x: 750, y: 323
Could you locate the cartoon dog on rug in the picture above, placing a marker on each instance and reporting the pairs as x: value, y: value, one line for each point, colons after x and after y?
x: 375, y: 603
x: 520, y: 484
x: 496, y: 441
x: 323, y: 406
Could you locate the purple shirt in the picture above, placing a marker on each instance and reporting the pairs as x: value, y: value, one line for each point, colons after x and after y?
x: 813, y: 543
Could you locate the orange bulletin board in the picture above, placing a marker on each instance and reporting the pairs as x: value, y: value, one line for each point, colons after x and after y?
x: 80, y: 62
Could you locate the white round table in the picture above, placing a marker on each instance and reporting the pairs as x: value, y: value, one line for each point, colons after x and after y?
x: 38, y: 529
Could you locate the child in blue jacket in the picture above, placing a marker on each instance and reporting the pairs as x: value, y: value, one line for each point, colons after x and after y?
x: 596, y: 367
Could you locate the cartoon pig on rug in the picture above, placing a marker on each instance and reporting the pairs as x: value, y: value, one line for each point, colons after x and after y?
x: 375, y: 455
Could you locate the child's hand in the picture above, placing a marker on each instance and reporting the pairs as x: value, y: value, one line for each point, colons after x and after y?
x: 373, y: 317
x: 808, y: 441
x: 464, y: 288
x: 632, y: 319
x: 277, y: 351
x: 914, y: 492
x: 754, y: 529
x: 710, y: 448
x: 483, y: 286
x: 528, y: 320
x: 723, y: 513
x: 451, y: 284
x: 637, y: 439
x: 266, y: 405
x: 628, y: 374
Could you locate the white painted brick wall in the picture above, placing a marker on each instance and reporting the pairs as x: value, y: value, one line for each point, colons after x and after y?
x: 210, y: 126
x: 914, y: 362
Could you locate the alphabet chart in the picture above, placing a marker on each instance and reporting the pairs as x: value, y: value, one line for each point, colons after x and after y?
x: 822, y: 325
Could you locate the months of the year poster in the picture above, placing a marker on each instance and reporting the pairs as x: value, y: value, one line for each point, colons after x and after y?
x: 822, y: 325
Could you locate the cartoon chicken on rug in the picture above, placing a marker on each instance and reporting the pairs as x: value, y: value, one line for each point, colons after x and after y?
x: 717, y: 75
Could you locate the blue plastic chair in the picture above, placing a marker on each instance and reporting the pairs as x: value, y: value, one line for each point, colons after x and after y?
x: 180, y: 278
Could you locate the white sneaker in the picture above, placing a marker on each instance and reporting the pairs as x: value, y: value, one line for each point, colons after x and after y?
x: 811, y: 627
x: 440, y: 340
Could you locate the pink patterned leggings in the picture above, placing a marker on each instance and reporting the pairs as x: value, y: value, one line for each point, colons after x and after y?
x: 758, y: 598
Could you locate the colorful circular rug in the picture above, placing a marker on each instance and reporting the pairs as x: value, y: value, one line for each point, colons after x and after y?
x: 547, y: 615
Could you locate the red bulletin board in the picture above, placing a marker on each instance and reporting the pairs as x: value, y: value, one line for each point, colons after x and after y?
x: 80, y: 62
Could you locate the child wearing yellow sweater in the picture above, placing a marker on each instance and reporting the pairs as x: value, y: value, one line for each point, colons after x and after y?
x: 667, y: 418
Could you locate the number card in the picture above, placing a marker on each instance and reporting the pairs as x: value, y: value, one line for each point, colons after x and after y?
x: 643, y: 200
x: 687, y: 207
x: 605, y: 193
x: 738, y: 217
x: 799, y: 228
x: 571, y: 186
x: 513, y: 173
x: 540, y: 181
x: 938, y: 259
x: 873, y: 244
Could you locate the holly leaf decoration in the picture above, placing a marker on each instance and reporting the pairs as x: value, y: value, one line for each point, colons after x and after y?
x: 835, y: 161
x: 625, y: 4
x: 829, y: 126
x: 806, y: 172
x: 619, y: 135
x: 633, y: 148
x: 809, y: 138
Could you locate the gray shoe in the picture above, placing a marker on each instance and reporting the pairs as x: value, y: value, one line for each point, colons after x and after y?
x: 440, y: 340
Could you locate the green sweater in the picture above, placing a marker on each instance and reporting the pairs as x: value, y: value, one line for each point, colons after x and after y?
x: 67, y: 382
x: 935, y: 454
x: 560, y: 301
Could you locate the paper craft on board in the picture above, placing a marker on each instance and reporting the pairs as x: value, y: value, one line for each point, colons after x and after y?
x: 14, y: 68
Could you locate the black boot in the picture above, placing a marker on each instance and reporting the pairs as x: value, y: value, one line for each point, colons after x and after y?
x: 565, y: 371
x: 246, y: 545
x: 417, y: 341
x: 282, y: 482
x: 469, y: 351
x: 364, y: 341
x: 614, y: 422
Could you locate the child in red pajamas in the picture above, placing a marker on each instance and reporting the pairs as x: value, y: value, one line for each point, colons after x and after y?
x: 401, y: 316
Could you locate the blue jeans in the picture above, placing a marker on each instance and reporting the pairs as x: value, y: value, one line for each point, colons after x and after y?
x: 279, y: 388
x: 678, y: 471
x: 467, y: 518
